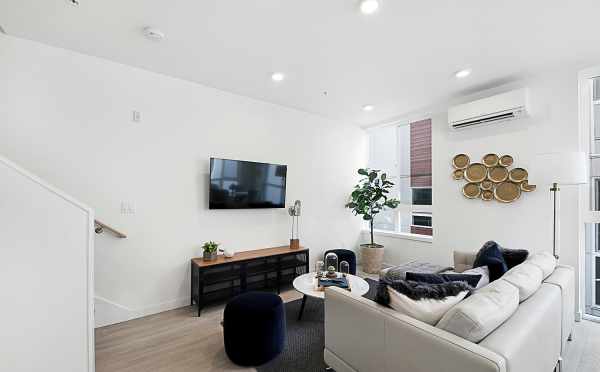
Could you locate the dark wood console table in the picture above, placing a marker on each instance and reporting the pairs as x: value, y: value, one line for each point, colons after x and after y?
x: 250, y: 270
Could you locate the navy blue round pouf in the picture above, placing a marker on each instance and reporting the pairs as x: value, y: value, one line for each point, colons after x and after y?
x: 254, y: 328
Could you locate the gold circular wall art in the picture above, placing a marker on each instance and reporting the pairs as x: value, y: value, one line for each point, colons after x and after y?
x: 487, y: 195
x: 492, y: 178
x: 460, y: 161
x: 476, y: 172
x: 471, y: 190
x: 458, y: 174
x: 498, y: 174
x: 507, y: 192
x: 506, y: 160
x: 490, y: 160
x: 518, y: 175
x: 487, y: 185
x: 525, y: 186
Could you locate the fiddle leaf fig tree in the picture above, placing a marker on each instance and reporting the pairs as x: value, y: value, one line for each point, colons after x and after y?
x: 371, y: 196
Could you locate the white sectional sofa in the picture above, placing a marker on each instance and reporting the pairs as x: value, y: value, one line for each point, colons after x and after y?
x: 363, y: 336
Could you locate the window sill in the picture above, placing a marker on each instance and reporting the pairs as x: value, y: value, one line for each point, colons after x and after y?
x: 402, y: 235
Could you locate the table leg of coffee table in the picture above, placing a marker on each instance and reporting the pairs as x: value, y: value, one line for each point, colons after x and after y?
x: 302, y: 307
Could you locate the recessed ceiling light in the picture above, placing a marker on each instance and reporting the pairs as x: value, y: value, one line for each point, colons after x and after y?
x: 153, y: 33
x: 369, y: 6
x: 463, y: 73
x: 277, y: 76
x: 73, y: 2
x: 368, y: 108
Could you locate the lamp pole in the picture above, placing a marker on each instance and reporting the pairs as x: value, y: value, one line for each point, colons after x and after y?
x: 554, y: 190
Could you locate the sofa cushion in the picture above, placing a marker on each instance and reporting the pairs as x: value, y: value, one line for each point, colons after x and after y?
x: 463, y: 261
x: 514, y: 257
x: 427, y: 310
x: 526, y: 277
x: 529, y: 340
x: 545, y: 261
x: 471, y: 280
x: 490, y: 255
x: 482, y: 312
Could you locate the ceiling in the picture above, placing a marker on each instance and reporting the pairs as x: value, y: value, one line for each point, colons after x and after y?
x: 400, y: 59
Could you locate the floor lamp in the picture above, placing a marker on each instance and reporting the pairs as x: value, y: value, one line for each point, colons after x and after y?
x: 560, y: 169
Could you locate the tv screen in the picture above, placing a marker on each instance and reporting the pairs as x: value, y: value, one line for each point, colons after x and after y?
x: 236, y: 184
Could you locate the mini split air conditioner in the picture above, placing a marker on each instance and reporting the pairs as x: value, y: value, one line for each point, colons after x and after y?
x: 506, y: 106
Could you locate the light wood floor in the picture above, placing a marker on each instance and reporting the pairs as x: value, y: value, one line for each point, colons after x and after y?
x: 583, y: 353
x: 173, y: 341
x: 178, y: 341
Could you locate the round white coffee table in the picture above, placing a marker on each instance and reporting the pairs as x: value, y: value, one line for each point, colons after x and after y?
x: 306, y: 284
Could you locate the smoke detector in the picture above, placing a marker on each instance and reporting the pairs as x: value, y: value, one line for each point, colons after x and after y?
x: 153, y: 33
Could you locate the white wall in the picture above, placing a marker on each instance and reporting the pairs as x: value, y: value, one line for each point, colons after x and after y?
x: 67, y: 117
x: 463, y: 224
x: 46, y: 244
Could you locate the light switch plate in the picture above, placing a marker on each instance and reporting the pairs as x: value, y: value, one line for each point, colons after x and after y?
x: 136, y: 116
x: 127, y: 208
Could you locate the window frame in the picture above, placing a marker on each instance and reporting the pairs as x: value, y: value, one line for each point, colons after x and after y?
x: 408, y: 209
x: 586, y: 192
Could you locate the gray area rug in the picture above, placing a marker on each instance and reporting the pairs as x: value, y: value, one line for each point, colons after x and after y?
x: 305, y: 338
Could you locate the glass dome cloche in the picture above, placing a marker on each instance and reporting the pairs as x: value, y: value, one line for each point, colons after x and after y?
x: 344, y: 268
x: 331, y: 259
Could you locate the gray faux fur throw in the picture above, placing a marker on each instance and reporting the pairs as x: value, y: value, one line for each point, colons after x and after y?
x: 417, y: 291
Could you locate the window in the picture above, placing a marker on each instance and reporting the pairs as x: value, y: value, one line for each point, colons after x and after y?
x: 404, y: 152
x: 590, y: 101
x: 421, y: 196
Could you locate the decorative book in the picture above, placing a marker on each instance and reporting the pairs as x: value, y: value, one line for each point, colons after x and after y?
x: 341, y: 282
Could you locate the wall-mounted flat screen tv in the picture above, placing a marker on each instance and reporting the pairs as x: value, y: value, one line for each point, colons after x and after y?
x: 237, y: 184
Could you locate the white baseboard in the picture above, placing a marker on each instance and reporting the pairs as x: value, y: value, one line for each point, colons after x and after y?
x: 161, y: 307
x: 108, y: 312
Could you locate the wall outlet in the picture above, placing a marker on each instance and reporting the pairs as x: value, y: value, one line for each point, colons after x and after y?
x: 136, y: 116
x: 127, y: 208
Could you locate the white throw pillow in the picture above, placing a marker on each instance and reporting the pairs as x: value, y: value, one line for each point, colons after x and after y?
x: 545, y: 261
x: 527, y: 277
x: 426, y: 310
x: 482, y: 312
x: 483, y: 271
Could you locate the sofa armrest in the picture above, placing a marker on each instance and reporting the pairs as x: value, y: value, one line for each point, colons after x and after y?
x: 370, y: 337
x: 563, y: 277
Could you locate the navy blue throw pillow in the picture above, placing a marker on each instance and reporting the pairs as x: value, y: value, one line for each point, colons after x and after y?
x: 514, y: 257
x: 471, y: 280
x: 490, y: 255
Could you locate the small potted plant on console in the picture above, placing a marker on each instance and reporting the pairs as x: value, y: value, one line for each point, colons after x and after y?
x: 210, y: 251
